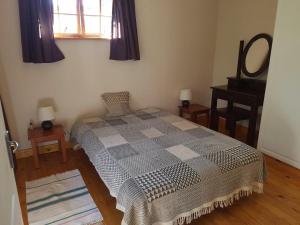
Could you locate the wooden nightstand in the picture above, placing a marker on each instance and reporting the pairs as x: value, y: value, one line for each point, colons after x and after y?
x: 194, y: 110
x: 38, y: 135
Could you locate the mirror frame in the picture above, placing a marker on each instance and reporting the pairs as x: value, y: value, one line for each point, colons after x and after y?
x: 266, y: 62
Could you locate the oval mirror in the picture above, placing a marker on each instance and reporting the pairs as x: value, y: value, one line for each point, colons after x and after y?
x: 256, y: 56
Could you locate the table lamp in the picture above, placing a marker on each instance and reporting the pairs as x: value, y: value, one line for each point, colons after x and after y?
x: 46, y: 115
x: 185, y: 97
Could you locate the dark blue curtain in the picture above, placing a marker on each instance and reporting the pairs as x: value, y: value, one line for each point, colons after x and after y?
x: 38, y: 43
x: 124, y: 44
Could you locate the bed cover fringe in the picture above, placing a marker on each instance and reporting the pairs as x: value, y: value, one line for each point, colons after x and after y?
x: 221, y: 202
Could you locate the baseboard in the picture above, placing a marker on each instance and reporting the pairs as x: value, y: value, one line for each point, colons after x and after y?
x: 281, y: 158
x: 24, y: 153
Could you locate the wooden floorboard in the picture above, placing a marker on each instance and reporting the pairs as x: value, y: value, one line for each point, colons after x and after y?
x: 279, y: 205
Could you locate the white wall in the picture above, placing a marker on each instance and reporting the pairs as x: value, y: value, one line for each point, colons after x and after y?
x: 239, y: 20
x: 280, y: 128
x: 177, y: 40
x: 6, y: 101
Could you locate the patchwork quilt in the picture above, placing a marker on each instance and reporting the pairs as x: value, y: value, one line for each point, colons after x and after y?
x: 165, y: 170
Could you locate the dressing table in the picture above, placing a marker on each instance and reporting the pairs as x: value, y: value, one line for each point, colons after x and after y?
x: 242, y: 91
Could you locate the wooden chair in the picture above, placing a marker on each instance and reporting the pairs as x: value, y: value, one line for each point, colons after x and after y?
x: 232, y: 116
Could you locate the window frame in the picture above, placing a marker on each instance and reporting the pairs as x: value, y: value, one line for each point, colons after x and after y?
x: 80, y: 35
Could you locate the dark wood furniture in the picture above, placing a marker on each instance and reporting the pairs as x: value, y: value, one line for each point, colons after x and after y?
x: 38, y: 135
x: 241, y: 95
x: 243, y: 91
x: 194, y: 110
x: 237, y: 114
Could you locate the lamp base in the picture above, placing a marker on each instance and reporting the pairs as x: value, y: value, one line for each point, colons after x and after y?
x: 185, y: 103
x: 47, y: 125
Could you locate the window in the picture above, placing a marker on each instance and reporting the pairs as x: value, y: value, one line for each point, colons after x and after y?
x: 82, y: 18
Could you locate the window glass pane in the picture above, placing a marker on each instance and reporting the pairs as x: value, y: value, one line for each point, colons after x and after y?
x: 67, y: 24
x: 56, y: 26
x: 91, y: 7
x: 92, y: 24
x: 55, y: 6
x: 106, y: 7
x: 106, y: 26
x: 67, y: 6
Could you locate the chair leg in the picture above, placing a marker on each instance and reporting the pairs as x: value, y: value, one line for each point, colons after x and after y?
x: 214, y: 122
x: 207, y: 119
x: 227, y: 124
x: 232, y: 128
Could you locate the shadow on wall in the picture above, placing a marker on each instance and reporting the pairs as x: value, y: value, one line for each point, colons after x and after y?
x: 44, y: 102
x: 59, y: 119
x: 5, y: 95
x: 47, y: 102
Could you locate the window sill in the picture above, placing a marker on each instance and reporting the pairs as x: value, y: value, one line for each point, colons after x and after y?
x: 80, y: 38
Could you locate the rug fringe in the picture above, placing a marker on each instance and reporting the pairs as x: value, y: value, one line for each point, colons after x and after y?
x: 221, y: 202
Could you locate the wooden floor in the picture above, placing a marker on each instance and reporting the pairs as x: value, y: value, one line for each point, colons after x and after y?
x: 279, y: 205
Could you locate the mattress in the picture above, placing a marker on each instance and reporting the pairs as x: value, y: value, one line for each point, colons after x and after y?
x: 165, y: 170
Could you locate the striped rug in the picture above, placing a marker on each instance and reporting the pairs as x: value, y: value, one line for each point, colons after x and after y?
x: 61, y: 199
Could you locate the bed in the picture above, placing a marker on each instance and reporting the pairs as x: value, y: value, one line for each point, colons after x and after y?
x: 165, y: 170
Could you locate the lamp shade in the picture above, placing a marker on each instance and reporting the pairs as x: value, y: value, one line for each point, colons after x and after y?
x: 46, y: 113
x: 186, y: 95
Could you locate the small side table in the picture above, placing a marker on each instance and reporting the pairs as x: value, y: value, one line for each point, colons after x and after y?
x: 38, y: 135
x: 194, y: 110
